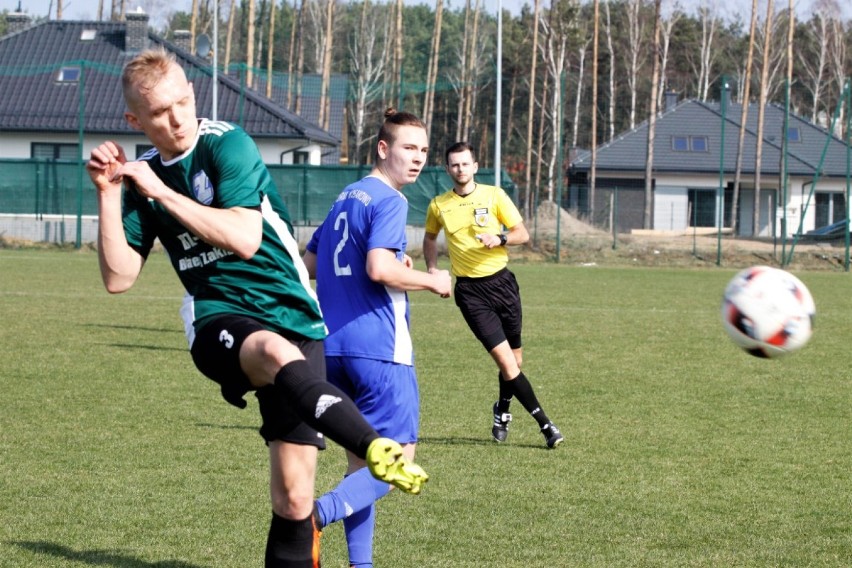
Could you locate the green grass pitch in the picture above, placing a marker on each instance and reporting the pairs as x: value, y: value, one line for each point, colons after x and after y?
x: 681, y: 450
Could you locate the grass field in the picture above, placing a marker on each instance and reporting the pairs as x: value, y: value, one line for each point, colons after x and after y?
x: 680, y: 449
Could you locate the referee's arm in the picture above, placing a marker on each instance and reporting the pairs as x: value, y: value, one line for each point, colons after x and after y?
x: 430, y: 251
x: 517, y: 235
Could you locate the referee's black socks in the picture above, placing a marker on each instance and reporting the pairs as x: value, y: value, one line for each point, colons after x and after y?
x: 325, y: 408
x: 523, y: 391
x: 505, y: 397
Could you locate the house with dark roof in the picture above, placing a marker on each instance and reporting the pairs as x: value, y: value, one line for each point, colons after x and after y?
x: 62, y: 92
x: 695, y: 152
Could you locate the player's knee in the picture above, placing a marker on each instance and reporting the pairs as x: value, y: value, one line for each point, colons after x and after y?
x: 268, y: 350
x: 294, y: 504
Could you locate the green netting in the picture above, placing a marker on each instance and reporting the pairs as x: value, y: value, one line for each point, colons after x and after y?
x: 44, y: 187
x: 38, y: 187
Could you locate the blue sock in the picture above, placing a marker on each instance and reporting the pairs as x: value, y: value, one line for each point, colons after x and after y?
x: 359, y: 527
x: 354, y: 493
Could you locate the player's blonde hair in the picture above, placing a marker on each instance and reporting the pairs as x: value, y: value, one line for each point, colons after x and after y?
x: 143, y: 72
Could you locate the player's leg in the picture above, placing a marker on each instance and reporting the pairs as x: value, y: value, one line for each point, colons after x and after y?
x: 240, y: 355
x: 473, y: 296
x: 325, y: 407
x: 509, y: 310
x: 387, y: 395
x: 293, y: 540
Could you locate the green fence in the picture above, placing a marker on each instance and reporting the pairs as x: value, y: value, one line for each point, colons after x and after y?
x: 55, y: 200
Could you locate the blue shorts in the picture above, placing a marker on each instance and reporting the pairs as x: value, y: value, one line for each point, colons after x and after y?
x: 386, y: 393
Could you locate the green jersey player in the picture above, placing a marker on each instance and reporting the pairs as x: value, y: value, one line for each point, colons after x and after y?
x: 252, y: 320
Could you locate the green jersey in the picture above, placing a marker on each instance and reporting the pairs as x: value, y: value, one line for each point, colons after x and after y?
x: 223, y: 170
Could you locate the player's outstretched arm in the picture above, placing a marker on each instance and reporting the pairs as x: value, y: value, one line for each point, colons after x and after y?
x: 119, y: 263
x: 384, y: 268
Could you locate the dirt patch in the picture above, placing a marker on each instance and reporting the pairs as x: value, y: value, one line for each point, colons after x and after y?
x: 547, y: 223
x: 582, y: 243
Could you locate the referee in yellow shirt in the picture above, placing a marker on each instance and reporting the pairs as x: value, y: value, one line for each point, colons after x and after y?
x: 472, y: 217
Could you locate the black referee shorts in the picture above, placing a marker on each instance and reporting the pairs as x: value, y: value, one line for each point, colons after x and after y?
x: 216, y: 353
x: 491, y: 306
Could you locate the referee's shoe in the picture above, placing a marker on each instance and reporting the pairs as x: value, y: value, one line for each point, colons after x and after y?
x: 500, y: 429
x: 552, y: 435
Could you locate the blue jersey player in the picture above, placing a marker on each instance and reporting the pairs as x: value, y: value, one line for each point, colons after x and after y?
x: 362, y: 272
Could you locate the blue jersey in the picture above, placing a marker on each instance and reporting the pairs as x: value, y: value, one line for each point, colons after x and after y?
x: 364, y: 318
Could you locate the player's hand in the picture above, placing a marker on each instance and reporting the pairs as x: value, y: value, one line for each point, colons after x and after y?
x: 443, y: 282
x: 104, y: 162
x: 407, y: 261
x: 144, y: 179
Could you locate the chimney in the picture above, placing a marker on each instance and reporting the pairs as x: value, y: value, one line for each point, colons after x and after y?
x: 136, y: 31
x: 183, y: 39
x: 671, y: 100
x: 16, y: 22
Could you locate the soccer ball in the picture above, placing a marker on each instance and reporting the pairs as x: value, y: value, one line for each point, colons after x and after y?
x: 768, y: 312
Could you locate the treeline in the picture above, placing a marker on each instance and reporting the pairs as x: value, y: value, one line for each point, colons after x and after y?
x: 440, y: 62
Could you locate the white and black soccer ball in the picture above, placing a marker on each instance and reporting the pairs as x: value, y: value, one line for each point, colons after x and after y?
x: 768, y: 311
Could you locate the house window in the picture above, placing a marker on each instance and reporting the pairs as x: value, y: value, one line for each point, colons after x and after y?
x: 698, y: 143
x: 88, y: 35
x: 49, y: 151
x: 702, y: 207
x: 794, y: 134
x: 689, y: 143
x: 68, y: 75
x: 301, y: 157
x: 680, y: 143
x: 830, y: 208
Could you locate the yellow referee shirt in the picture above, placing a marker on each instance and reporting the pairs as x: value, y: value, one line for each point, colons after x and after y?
x: 487, y: 209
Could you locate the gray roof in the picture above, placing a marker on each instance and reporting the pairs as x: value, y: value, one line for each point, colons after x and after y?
x: 33, y: 100
x: 627, y: 152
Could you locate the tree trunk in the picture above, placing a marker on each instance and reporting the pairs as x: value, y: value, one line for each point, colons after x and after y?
x: 578, y: 100
x: 325, y: 89
x: 467, y: 119
x: 270, y: 49
x: 782, y: 171
x: 397, y: 53
x: 230, y: 35
x: 295, y: 30
x: 652, y: 120
x: 634, y: 61
x: 764, y: 88
x: 300, y: 58
x: 743, y: 117
x: 541, y: 133
x: 531, y: 112
x: 250, y: 44
x: 594, y: 111
x: 432, y: 74
x: 193, y: 26
x: 611, y: 51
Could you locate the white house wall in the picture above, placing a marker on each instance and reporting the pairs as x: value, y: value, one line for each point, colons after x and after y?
x: 671, y: 203
x: 670, y: 208
x: 19, y: 145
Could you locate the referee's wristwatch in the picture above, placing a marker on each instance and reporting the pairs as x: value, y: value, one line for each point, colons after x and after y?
x: 503, y: 239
